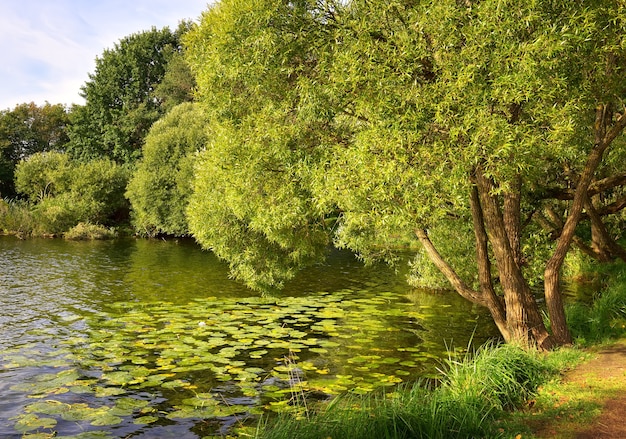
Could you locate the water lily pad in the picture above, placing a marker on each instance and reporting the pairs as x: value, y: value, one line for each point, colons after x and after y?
x: 128, y: 403
x: 175, y: 384
x: 107, y: 420
x: 30, y: 421
x: 144, y: 420
x: 102, y: 392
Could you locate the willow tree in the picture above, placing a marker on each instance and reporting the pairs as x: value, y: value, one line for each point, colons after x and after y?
x: 251, y: 202
x: 428, y: 118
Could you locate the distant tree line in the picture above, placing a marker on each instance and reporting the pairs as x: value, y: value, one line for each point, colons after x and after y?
x: 73, y: 164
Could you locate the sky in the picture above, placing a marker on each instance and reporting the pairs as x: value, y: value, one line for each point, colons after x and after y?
x: 49, y: 47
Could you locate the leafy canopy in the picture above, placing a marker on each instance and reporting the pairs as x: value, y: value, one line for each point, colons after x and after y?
x: 121, y: 103
x: 445, y: 122
x: 26, y: 130
x: 161, y: 183
x: 251, y: 203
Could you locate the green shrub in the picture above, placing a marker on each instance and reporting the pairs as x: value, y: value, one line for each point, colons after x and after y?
x: 161, y: 184
x: 54, y: 215
x: 88, y: 231
x: 16, y: 217
x: 63, y: 193
x: 605, y: 317
x: 43, y: 175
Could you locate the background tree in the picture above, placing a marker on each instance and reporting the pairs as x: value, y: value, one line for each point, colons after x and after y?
x: 121, y: 104
x: 177, y: 85
x: 26, y: 130
x: 161, y: 183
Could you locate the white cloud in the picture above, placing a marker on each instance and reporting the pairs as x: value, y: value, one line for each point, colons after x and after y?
x: 49, y: 48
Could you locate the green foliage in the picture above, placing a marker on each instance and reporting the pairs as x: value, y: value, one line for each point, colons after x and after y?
x: 120, y: 101
x: 42, y: 175
x: 250, y: 203
x: 64, y: 193
x: 363, y: 122
x: 161, y: 183
x: 504, y: 377
x: 16, y: 217
x: 177, y: 85
x: 25, y: 130
x: 605, y: 317
x: 87, y: 231
x: 457, y: 246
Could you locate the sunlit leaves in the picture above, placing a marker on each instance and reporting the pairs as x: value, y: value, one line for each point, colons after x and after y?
x: 161, y: 184
x: 250, y: 204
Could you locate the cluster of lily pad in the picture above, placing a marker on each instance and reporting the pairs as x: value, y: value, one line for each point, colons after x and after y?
x: 222, y: 359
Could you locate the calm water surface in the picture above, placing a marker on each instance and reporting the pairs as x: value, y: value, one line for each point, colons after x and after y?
x: 150, y: 339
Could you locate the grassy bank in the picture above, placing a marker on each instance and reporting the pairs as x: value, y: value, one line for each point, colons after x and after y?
x: 486, y: 395
x: 468, y: 402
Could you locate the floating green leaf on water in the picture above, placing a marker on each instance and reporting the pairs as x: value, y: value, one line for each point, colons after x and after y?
x: 175, y: 384
x: 107, y: 420
x: 30, y: 421
x: 145, y: 420
x: 128, y: 403
x: 319, y: 350
x: 102, y: 392
x: 39, y: 435
x: 48, y: 407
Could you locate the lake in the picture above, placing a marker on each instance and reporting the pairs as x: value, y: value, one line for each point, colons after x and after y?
x: 152, y: 339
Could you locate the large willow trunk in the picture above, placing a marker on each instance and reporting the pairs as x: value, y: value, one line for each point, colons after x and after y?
x: 524, y: 322
x: 497, y: 227
x: 516, y: 313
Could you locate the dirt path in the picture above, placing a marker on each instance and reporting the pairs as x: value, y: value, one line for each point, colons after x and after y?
x: 603, y: 379
x: 610, y: 364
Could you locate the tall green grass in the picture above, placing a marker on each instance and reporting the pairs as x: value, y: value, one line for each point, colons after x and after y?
x: 605, y: 317
x: 471, y: 395
x: 16, y: 217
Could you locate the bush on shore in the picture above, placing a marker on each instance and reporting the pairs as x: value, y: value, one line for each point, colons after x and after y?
x: 16, y: 217
x: 88, y: 231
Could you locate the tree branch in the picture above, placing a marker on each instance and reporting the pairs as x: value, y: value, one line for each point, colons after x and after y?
x: 595, y: 188
x: 447, y: 270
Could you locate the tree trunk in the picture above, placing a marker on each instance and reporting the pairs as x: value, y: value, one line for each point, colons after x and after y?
x: 493, y: 302
x: 552, y: 280
x: 512, y: 219
x: 599, y: 235
x: 486, y: 298
x: 522, y: 312
x: 447, y: 270
x: 601, y: 241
